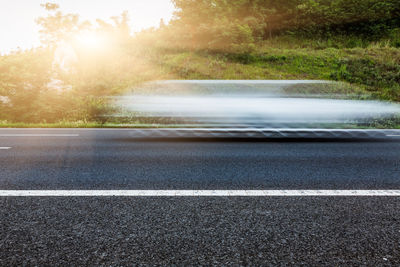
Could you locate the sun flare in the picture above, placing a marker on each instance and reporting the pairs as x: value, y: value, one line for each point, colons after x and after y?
x: 90, y: 40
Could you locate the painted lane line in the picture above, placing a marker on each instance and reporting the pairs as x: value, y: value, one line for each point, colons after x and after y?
x: 242, y: 82
x: 39, y: 135
x: 5, y: 148
x: 393, y: 135
x: 196, y: 193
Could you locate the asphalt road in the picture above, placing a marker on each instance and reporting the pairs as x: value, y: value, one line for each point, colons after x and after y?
x: 196, y: 230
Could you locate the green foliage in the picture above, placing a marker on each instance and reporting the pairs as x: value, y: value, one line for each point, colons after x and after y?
x: 381, y: 77
x: 58, y: 26
x: 237, y: 25
x: 367, y: 73
x: 23, y: 79
x: 394, y: 37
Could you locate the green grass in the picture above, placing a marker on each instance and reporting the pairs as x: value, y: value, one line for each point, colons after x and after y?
x: 374, y: 70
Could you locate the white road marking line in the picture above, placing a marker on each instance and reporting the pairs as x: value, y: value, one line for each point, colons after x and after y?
x: 394, y: 131
x: 242, y: 82
x: 39, y: 135
x: 5, y: 148
x: 393, y: 135
x: 196, y: 193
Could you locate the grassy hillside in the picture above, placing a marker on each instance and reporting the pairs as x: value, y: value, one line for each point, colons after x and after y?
x: 373, y: 70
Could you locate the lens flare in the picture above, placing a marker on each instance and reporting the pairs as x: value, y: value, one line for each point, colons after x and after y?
x: 90, y: 40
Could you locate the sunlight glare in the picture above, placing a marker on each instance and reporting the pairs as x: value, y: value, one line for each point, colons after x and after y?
x: 90, y: 40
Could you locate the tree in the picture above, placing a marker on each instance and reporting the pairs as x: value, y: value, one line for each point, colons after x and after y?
x: 56, y: 26
x: 210, y: 23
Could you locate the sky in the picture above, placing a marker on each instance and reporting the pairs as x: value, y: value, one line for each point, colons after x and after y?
x: 18, y: 27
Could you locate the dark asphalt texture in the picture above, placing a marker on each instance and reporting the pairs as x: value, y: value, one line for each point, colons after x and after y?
x: 115, y: 231
x: 112, y: 160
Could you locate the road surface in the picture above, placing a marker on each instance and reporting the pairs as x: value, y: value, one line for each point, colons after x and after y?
x: 96, y: 230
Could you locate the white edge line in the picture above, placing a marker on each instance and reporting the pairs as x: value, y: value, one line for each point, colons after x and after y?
x: 270, y: 129
x: 241, y: 82
x: 209, y: 128
x: 39, y: 135
x: 5, y: 148
x: 194, y: 193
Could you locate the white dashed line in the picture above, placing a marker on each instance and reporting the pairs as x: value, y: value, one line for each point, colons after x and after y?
x: 196, y: 193
x: 5, y: 148
x: 39, y: 135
